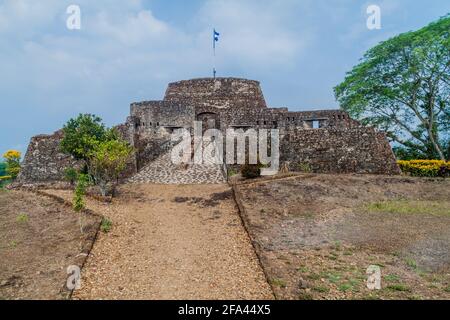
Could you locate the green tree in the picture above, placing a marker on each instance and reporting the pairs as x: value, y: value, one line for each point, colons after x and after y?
x: 107, y: 162
x: 402, y: 86
x: 2, y: 169
x: 83, y: 134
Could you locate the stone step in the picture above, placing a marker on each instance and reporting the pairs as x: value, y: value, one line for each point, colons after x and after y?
x: 163, y: 171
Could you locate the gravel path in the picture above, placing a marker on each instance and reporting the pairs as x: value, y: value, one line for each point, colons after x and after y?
x: 172, y: 242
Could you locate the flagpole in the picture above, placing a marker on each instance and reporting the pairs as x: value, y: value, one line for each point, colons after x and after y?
x: 214, y: 53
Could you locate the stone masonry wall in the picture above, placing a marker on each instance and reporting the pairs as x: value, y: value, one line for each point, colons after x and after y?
x: 219, y: 92
x: 44, y: 161
x: 353, y: 150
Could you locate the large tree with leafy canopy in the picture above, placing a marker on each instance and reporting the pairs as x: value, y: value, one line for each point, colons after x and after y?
x: 83, y: 134
x: 402, y: 86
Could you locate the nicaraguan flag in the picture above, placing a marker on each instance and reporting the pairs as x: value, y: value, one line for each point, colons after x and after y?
x: 216, y: 37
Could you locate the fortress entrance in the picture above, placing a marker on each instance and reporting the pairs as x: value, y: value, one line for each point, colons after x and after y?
x: 210, y: 120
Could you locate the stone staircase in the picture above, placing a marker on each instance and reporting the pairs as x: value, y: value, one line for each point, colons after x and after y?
x: 163, y: 171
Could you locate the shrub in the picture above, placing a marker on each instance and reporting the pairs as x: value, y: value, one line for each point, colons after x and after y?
x: 251, y: 171
x: 80, y: 191
x: 425, y: 168
x: 4, y: 181
x: 106, y: 225
x: 12, y: 159
x: 304, y: 167
x: 71, y: 175
x: 107, y: 162
x: 82, y: 134
x: 22, y: 218
x: 2, y: 169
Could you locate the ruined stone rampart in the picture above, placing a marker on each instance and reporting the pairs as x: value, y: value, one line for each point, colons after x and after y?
x: 353, y: 150
x: 44, y: 161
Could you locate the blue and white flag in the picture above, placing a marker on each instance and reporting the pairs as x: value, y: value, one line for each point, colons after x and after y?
x: 216, y: 37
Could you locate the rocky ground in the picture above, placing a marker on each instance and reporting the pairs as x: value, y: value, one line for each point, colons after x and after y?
x: 172, y: 242
x: 318, y: 234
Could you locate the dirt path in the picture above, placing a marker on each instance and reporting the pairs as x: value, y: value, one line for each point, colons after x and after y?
x: 172, y: 242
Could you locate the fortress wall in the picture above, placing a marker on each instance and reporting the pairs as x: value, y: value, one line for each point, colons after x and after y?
x: 155, y: 114
x: 219, y: 92
x: 354, y: 150
x: 278, y: 118
x: 43, y: 161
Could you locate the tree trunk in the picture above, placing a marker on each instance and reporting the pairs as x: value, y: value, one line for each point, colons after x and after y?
x: 435, y: 145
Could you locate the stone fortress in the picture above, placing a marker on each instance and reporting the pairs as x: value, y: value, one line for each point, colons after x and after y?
x: 326, y: 141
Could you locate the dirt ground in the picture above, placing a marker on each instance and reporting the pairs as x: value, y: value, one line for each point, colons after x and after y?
x: 318, y: 234
x: 172, y: 242
x: 39, y: 239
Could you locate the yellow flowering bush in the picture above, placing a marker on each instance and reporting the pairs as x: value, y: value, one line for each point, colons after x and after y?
x: 425, y: 168
x: 12, y: 159
x: 12, y: 155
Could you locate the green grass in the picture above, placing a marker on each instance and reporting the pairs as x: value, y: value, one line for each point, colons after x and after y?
x: 411, y: 263
x: 303, y: 269
x: 447, y: 289
x: 321, y: 289
x: 345, y: 287
x: 337, y: 246
x: 22, y: 218
x: 392, y: 278
x: 399, y: 287
x: 279, y: 283
x: 437, y: 208
x: 231, y: 172
x: 313, y: 276
x: 305, y: 296
x: 106, y: 225
x: 334, y: 277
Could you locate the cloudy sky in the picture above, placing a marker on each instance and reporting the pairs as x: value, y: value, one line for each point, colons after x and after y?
x: 129, y: 50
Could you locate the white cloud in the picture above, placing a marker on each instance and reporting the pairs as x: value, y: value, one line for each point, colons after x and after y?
x: 132, y: 29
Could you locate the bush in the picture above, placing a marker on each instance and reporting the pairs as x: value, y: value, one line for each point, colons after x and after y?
x: 71, y: 175
x: 107, y: 162
x: 251, y: 171
x: 81, y: 136
x: 2, y: 169
x: 12, y: 159
x: 304, y: 167
x: 425, y: 168
x: 4, y: 180
x: 80, y: 191
x: 106, y: 225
